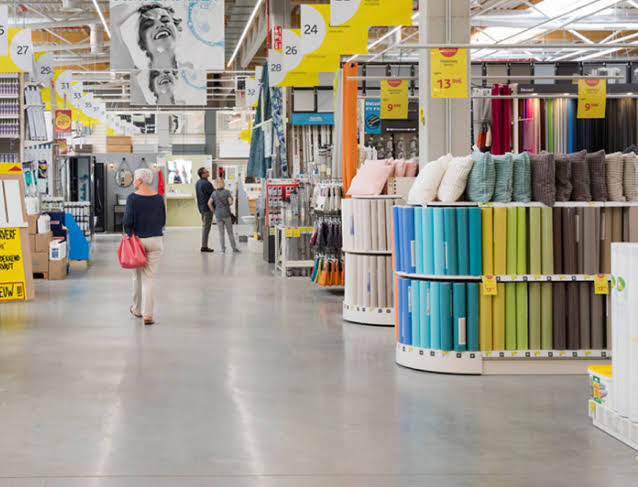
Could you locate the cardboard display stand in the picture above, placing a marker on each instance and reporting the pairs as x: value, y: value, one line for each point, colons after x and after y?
x: 16, y: 273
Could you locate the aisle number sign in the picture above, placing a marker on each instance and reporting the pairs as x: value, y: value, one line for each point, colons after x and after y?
x: 318, y: 35
x: 4, y: 30
x: 12, y: 284
x: 371, y: 12
x: 394, y: 99
x: 592, y: 98
x: 448, y: 72
x: 19, y: 58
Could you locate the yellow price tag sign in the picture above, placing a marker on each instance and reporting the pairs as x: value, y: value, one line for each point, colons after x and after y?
x: 601, y: 284
x: 394, y: 99
x: 296, y: 232
x: 288, y: 232
x: 12, y: 279
x: 448, y: 70
x: 592, y: 98
x: 490, y: 286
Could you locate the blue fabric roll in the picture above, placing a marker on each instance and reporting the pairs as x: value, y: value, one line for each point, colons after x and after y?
x: 451, y: 244
x: 415, y: 313
x: 462, y: 243
x: 428, y: 239
x: 408, y: 242
x: 405, y: 325
x: 396, y: 225
x: 424, y: 309
x: 438, y: 241
x: 445, y: 314
x: 473, y: 317
x: 435, y: 316
x: 459, y: 303
x: 475, y: 240
x: 418, y: 239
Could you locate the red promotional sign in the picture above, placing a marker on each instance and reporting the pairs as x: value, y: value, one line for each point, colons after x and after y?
x: 277, y: 37
x: 63, y: 121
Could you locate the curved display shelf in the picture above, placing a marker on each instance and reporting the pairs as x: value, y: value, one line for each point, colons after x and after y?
x: 535, y: 204
x: 379, y: 197
x: 368, y: 252
x: 368, y: 316
x: 424, y: 277
x: 505, y: 278
x: 500, y: 362
x: 609, y: 421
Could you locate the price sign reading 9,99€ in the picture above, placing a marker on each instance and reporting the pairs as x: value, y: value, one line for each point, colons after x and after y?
x: 448, y: 72
x: 394, y: 99
x: 592, y: 98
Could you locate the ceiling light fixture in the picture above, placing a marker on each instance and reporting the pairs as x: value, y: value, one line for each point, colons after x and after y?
x: 99, y: 12
x: 243, y: 34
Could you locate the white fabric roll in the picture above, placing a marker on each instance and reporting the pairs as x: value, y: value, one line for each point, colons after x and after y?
x: 347, y: 218
x: 350, y: 292
x: 374, y: 225
x: 374, y: 283
x: 388, y: 223
x: 366, y: 230
x: 381, y: 211
x: 389, y: 282
x: 381, y: 282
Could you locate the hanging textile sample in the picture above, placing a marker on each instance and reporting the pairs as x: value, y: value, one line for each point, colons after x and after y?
x: 258, y: 163
x: 482, y: 118
x: 278, y: 124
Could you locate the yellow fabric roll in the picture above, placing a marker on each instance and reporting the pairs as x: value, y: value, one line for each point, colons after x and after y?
x: 487, y: 232
x: 485, y: 321
x: 500, y: 241
x: 498, y: 312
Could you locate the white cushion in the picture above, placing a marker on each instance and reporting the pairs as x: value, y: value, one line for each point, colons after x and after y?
x: 455, y: 179
x: 426, y: 185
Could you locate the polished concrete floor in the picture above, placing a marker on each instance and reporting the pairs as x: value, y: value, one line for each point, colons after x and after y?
x: 252, y: 380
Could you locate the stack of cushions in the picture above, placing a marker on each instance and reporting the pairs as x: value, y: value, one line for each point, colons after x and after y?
x: 426, y: 186
x: 373, y: 175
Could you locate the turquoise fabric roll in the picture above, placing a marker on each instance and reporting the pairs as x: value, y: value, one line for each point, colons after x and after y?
x: 451, y: 243
x: 398, y: 244
x: 462, y: 244
x: 475, y: 244
x: 435, y: 316
x: 438, y: 240
x: 415, y: 312
x: 405, y: 328
x: 407, y: 235
x: 459, y: 305
x: 445, y: 314
x: 428, y: 239
x: 473, y: 317
x: 424, y: 308
x: 418, y: 239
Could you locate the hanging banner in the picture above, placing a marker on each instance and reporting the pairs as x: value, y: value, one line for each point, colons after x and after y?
x: 168, y: 87
x: 63, y: 119
x: 371, y: 12
x: 12, y: 281
x: 318, y: 35
x: 592, y: 98
x: 62, y: 146
x: 4, y: 30
x: 372, y: 116
x: 277, y: 37
x: 252, y: 92
x: 305, y: 66
x: 20, y: 57
x: 44, y: 67
x: 167, y: 34
x: 394, y: 99
x: 448, y: 72
x: 276, y: 73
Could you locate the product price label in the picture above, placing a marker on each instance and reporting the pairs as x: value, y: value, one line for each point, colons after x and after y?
x: 288, y: 232
x: 490, y: 287
x: 592, y: 98
x: 448, y: 73
x: 394, y: 99
x: 296, y: 233
x: 12, y: 286
x: 601, y: 284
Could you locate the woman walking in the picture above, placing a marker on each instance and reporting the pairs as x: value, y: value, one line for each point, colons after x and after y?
x: 145, y: 216
x: 222, y: 201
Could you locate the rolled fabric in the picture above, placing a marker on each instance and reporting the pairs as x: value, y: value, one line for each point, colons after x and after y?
x: 398, y: 243
x: 424, y: 309
x: 616, y: 225
x: 390, y: 283
x: 498, y: 314
x: 597, y: 320
x: 512, y: 235
x: 416, y: 312
x: 388, y: 218
x: 573, y: 317
x: 605, y: 240
x: 367, y: 229
x: 535, y: 241
x: 475, y: 240
x: 435, y: 315
x: 473, y: 317
x: 462, y: 242
x: 522, y: 325
x: 382, y: 238
x: 361, y: 279
x: 535, y: 310
x: 445, y: 312
x: 500, y: 241
x: 375, y: 226
x: 547, y: 242
x: 381, y: 301
x: 559, y: 290
x: 407, y: 228
x: 591, y: 236
x: 451, y: 242
x: 485, y: 321
x: 570, y: 252
x: 580, y: 244
x: 585, y: 314
x: 405, y: 328
x: 521, y: 240
x: 632, y: 217
x: 374, y: 280
x: 459, y: 304
x: 418, y: 239
x: 352, y: 275
x: 428, y: 242
x: 487, y: 240
x: 510, y: 316
x: 557, y: 216
x: 546, y: 316
x: 438, y: 225
x: 370, y: 262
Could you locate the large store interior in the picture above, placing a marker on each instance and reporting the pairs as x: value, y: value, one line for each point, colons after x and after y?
x: 271, y: 242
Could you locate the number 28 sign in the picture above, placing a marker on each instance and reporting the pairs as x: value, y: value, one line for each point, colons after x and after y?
x: 448, y: 72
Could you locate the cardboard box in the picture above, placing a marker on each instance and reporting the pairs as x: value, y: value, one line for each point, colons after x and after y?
x: 32, y: 242
x: 32, y: 220
x: 42, y: 241
x: 40, y: 262
x: 117, y: 149
x: 58, y: 269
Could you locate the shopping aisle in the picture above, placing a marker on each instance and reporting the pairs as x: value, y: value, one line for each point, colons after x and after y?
x: 250, y: 379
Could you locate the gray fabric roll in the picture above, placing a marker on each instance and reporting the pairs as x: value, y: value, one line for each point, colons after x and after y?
x: 584, y: 293
x: 597, y: 320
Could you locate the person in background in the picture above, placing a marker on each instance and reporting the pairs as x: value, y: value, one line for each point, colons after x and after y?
x: 145, y: 216
x: 204, y: 190
x: 221, y: 202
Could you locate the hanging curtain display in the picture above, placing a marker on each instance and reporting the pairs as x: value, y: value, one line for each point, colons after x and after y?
x: 258, y: 163
x: 278, y: 124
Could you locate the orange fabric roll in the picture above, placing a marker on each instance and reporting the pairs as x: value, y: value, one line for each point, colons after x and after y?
x: 350, y: 155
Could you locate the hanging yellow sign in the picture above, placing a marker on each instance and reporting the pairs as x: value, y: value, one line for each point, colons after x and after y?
x: 371, y: 12
x: 12, y: 282
x: 394, y: 99
x: 601, y: 284
x: 20, y: 57
x: 317, y: 36
x: 448, y: 69
x: 592, y: 98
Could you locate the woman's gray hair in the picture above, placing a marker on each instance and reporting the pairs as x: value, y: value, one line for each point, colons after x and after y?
x: 145, y: 174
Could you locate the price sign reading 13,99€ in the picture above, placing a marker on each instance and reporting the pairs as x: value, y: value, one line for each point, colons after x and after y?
x: 448, y: 72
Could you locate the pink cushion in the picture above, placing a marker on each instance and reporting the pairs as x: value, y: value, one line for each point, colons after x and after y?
x: 399, y: 169
x: 370, y: 180
x: 411, y: 168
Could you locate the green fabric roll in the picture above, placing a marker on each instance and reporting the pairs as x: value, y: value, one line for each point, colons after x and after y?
x: 547, y: 241
x: 510, y: 316
x: 522, y: 330
x: 546, y: 316
x: 535, y: 316
x: 535, y: 241
x: 511, y: 241
x: 521, y: 240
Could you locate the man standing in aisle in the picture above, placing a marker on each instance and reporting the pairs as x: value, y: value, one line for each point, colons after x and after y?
x: 204, y: 190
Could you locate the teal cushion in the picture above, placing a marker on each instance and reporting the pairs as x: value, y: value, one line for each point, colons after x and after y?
x: 480, y: 182
x: 522, y: 179
x: 503, y: 187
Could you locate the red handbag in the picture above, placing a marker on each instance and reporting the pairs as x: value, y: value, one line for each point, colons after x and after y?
x: 131, y: 252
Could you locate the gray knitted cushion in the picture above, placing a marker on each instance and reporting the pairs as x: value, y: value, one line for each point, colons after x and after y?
x: 597, y: 175
x: 615, y: 167
x: 630, y: 182
x: 564, y: 173
x: 543, y: 175
x: 581, y: 188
